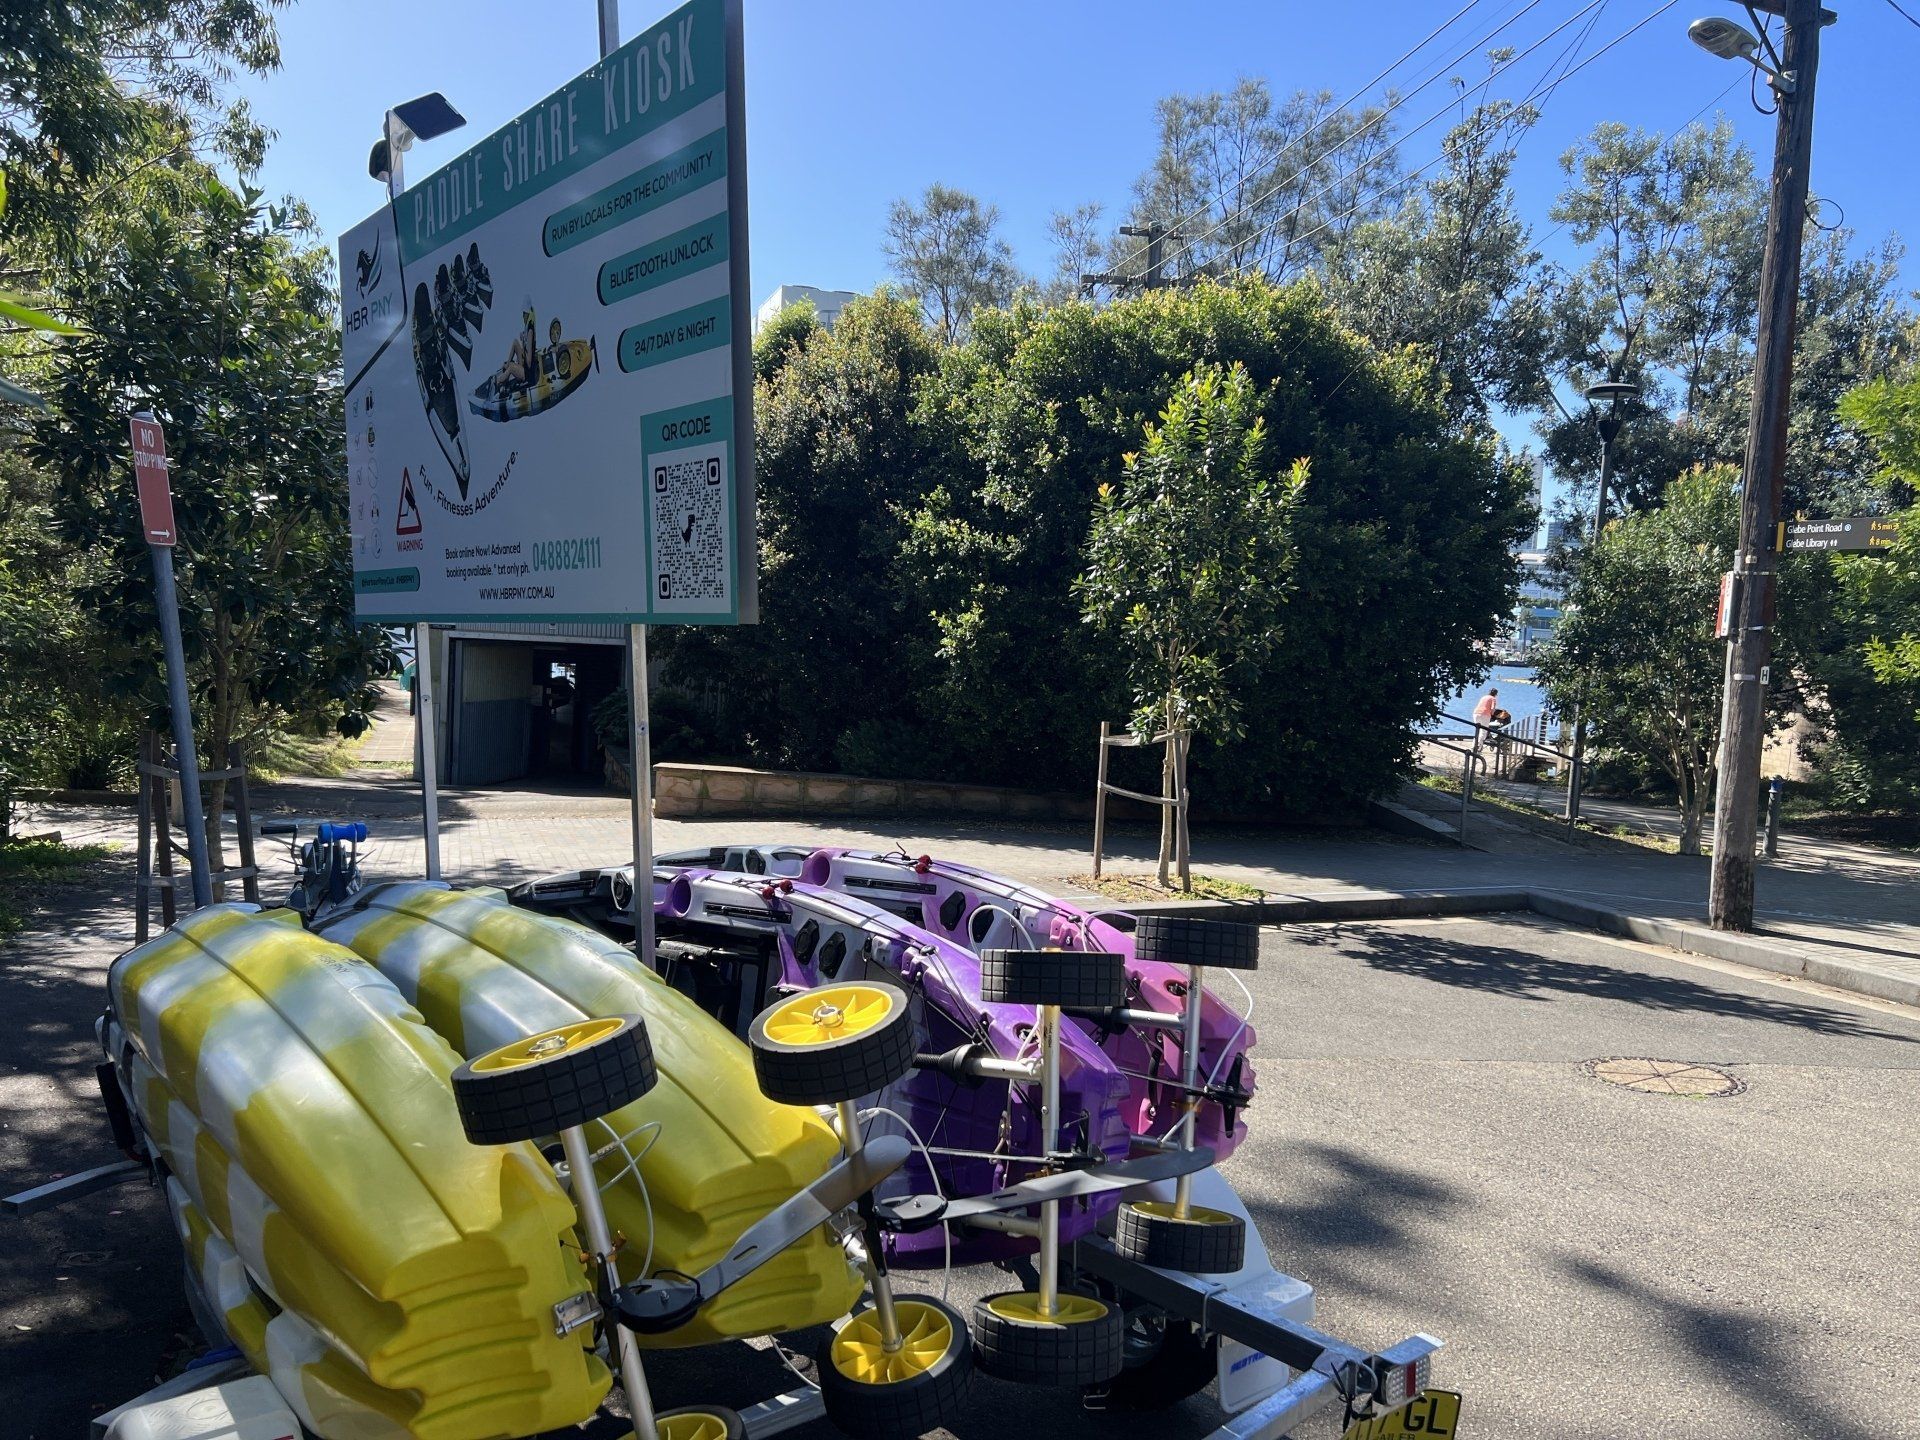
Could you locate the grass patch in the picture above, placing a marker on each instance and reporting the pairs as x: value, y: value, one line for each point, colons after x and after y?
x: 1494, y: 799
x: 1665, y: 844
x: 1146, y: 887
x: 326, y: 756
x: 28, y: 867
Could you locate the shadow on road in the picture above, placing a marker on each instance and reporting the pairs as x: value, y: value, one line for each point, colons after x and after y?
x: 1529, y: 975
x: 1347, y: 1226
x: 1758, y: 1353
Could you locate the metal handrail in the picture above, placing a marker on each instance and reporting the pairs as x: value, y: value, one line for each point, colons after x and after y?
x: 1507, y: 735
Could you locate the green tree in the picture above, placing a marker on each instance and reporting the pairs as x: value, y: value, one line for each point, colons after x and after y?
x: 1665, y: 297
x: 839, y: 464
x: 1455, y: 272
x: 1186, y: 564
x: 1257, y: 187
x: 1403, y: 540
x: 782, y: 338
x: 1077, y: 247
x: 1635, y: 646
x: 1886, y: 590
x: 212, y: 316
x: 90, y: 89
x: 947, y: 257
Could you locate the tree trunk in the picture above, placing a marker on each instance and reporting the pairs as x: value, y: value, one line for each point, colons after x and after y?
x: 1693, y: 808
x: 1166, y: 813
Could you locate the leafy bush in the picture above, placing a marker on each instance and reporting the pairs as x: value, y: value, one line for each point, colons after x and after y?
x: 925, y: 511
x: 679, y: 728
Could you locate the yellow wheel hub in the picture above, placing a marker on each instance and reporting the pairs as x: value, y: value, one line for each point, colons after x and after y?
x: 1196, y: 1214
x: 1067, y: 1309
x: 926, y: 1334
x: 691, y: 1426
x: 546, y: 1045
x: 819, y: 1017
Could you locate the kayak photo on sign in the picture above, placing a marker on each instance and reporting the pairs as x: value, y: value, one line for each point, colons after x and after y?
x: 532, y: 378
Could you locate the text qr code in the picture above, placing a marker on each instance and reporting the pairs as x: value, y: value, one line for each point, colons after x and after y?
x: 690, y: 515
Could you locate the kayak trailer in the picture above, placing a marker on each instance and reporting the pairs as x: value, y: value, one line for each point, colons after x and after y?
x: 1274, y: 1369
x: 1192, y: 1308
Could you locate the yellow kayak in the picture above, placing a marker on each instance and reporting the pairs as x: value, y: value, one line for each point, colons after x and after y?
x: 714, y: 1154
x: 562, y: 369
x: 392, y: 1279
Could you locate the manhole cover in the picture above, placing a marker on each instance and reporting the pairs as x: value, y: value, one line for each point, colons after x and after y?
x: 1665, y: 1077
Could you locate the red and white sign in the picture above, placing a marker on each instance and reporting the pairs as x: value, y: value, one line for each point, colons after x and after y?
x: 150, y: 475
x: 1723, y: 617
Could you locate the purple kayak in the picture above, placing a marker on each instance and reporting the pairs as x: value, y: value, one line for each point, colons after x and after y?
x: 979, y: 1134
x: 976, y: 910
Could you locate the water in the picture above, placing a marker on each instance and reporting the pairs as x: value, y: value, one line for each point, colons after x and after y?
x: 1520, y: 692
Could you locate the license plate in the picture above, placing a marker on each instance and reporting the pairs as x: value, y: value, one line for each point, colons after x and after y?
x: 1433, y: 1415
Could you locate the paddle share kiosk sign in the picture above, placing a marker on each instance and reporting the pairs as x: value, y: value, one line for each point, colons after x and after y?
x: 546, y: 346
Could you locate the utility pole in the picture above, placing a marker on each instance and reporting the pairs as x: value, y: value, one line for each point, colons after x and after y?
x: 1750, y: 645
x: 1156, y: 235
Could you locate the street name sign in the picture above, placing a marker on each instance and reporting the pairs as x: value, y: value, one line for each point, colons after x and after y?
x: 547, y: 355
x: 1855, y: 533
x: 150, y: 479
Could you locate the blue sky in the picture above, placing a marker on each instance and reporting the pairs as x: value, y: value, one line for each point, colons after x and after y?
x: 1037, y: 106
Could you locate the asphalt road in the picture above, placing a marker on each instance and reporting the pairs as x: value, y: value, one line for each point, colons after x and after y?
x: 1426, y: 1151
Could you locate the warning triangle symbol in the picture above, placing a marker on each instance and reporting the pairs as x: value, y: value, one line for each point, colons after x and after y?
x: 407, y: 520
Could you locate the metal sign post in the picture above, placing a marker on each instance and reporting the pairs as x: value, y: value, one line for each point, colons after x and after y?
x: 156, y: 516
x: 639, y: 742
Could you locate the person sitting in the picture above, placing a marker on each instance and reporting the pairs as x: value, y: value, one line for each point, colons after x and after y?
x: 523, y: 359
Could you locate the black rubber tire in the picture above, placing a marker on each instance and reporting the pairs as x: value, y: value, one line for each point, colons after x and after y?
x: 901, y: 1409
x: 1075, y: 979
x: 552, y: 1093
x: 1034, y: 1352
x: 724, y: 1424
x: 1182, y: 940
x: 1184, y: 1365
x: 1210, y: 1242
x: 843, y: 1069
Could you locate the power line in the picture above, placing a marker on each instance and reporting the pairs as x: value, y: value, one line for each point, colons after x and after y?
x: 1356, y: 367
x: 1904, y: 13
x: 1341, y: 108
x: 1492, y: 75
x: 1381, y: 119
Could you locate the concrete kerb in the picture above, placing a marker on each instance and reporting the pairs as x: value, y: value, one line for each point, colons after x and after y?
x: 1756, y: 951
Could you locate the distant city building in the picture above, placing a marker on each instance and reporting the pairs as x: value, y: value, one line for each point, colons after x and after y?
x: 827, y: 304
x: 1537, y: 610
x: 1555, y: 536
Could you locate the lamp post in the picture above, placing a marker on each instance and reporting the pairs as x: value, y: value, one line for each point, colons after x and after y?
x: 1613, y: 392
x: 424, y: 118
x: 1790, y: 72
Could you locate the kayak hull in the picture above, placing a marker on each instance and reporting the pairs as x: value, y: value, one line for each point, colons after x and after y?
x: 389, y: 1277
x: 713, y: 1154
x: 824, y: 937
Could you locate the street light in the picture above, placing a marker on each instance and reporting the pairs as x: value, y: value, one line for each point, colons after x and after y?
x: 1612, y: 392
x: 1729, y: 40
x: 426, y: 117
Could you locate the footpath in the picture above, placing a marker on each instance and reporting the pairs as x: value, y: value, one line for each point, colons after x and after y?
x: 1842, y: 913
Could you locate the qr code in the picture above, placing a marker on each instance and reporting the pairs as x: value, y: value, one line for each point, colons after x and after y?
x: 690, y: 516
